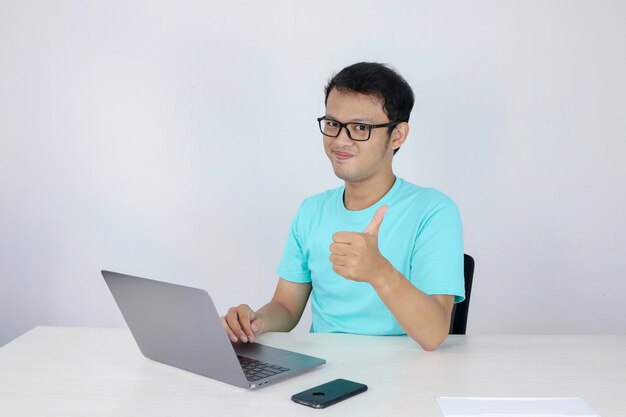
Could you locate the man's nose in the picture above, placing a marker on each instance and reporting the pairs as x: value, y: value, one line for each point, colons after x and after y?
x: 343, y: 137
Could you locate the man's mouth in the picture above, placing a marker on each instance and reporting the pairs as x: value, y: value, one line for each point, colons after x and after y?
x: 342, y: 156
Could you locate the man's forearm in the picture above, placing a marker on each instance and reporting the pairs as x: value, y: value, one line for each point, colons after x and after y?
x: 419, y: 314
x: 276, y: 318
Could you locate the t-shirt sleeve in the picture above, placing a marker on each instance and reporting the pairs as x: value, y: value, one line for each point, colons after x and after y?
x: 437, y: 261
x: 294, y: 264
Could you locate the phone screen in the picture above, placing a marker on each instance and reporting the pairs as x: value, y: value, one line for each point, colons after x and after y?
x: 329, y: 393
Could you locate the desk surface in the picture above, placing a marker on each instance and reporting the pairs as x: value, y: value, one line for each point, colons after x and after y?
x: 56, y: 371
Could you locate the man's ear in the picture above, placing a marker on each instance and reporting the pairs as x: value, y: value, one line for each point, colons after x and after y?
x: 399, y: 135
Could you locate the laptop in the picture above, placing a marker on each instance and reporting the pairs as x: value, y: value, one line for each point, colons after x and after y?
x: 179, y: 326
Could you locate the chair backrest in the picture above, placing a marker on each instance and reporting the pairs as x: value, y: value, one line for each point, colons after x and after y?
x: 459, y: 312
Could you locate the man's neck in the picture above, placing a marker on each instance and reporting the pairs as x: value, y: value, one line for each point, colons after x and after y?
x: 364, y: 194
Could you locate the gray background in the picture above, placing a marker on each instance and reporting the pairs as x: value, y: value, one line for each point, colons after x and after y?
x: 175, y: 140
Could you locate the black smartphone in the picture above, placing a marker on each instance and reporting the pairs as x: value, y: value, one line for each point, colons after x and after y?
x: 329, y: 393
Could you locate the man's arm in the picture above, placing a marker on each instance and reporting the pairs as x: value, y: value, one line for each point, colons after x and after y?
x: 426, y: 318
x: 281, y: 314
x: 355, y: 256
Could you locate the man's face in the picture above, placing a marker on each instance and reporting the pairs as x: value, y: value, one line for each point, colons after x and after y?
x: 357, y: 161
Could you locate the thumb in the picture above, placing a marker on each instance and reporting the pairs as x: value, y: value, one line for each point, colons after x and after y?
x: 374, y: 226
x: 255, y: 323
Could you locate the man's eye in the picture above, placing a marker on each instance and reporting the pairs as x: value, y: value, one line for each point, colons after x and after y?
x: 332, y: 123
x: 361, y: 128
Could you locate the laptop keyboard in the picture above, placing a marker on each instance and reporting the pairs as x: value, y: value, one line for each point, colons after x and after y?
x: 256, y: 370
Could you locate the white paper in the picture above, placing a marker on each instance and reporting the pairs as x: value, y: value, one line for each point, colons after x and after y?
x: 514, y: 407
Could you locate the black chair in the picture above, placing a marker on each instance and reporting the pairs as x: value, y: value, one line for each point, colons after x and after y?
x: 459, y: 312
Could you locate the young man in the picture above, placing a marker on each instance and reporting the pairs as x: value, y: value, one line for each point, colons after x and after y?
x: 379, y: 255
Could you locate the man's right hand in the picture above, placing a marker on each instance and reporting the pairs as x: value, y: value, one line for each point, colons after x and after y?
x: 279, y: 315
x: 241, y: 324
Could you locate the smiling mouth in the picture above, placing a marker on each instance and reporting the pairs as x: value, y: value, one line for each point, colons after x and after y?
x: 342, y: 156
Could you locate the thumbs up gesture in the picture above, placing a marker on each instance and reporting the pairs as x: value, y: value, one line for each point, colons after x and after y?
x: 356, y: 256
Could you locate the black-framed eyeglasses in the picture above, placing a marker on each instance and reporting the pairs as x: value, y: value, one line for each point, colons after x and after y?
x: 356, y: 131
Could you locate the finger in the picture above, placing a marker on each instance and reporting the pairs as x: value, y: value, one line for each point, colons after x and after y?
x: 343, y: 237
x: 338, y: 248
x: 246, y: 315
x: 377, y: 220
x: 229, y: 332
x: 257, y: 326
x: 342, y: 270
x: 232, y: 318
x: 337, y: 260
x: 233, y: 331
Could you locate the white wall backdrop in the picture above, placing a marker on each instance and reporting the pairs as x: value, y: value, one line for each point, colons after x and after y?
x: 175, y: 140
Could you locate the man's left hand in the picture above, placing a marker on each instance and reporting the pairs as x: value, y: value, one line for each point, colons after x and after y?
x: 356, y: 256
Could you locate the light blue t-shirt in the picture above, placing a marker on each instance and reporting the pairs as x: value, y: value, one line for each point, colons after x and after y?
x: 421, y: 235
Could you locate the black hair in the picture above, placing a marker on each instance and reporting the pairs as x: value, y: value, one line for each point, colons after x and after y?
x: 380, y: 80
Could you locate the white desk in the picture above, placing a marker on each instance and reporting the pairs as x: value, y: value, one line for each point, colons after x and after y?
x: 56, y: 371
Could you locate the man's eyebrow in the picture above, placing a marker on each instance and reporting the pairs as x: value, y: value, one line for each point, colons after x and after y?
x: 353, y: 120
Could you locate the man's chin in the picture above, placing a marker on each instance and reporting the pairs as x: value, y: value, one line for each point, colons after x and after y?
x: 346, y: 176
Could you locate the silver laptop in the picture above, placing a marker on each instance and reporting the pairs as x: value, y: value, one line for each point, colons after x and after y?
x: 179, y: 326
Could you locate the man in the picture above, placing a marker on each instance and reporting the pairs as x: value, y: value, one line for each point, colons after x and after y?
x: 379, y: 255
